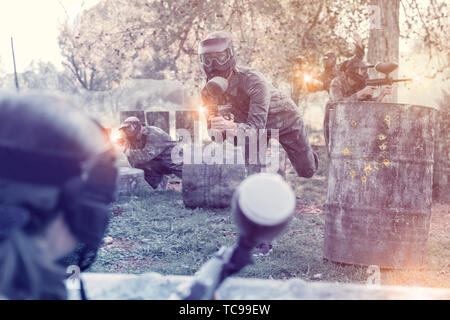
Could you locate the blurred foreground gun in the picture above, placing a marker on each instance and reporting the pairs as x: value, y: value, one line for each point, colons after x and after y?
x: 262, y: 207
x: 386, y: 68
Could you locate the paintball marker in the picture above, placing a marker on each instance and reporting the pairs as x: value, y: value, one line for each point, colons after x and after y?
x: 213, y: 98
x: 262, y: 206
x: 386, y: 68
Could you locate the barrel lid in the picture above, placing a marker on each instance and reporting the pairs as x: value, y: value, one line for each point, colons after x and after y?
x: 266, y: 199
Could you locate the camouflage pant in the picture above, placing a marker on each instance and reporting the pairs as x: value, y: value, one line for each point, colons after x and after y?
x: 293, y: 137
x: 156, y: 169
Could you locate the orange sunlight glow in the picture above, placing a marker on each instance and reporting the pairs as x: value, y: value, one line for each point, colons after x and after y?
x: 202, y: 109
x: 115, y: 136
x: 307, y: 77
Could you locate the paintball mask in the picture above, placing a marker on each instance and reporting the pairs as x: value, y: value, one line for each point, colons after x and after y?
x: 217, y: 55
x: 356, y: 70
x: 329, y: 60
x: 131, y: 127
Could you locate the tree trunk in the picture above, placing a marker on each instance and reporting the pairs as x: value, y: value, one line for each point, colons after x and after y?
x: 384, y: 37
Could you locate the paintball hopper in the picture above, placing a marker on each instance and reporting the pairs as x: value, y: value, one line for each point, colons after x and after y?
x: 214, y: 91
x: 217, y: 86
x: 386, y: 67
x: 262, y: 205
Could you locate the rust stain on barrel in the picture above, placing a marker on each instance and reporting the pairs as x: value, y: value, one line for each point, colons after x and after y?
x: 367, y: 169
x: 378, y: 205
x: 387, y: 120
x: 346, y: 151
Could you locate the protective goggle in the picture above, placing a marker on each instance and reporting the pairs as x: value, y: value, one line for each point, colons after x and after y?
x: 220, y: 57
x: 357, y: 71
x: 130, y: 129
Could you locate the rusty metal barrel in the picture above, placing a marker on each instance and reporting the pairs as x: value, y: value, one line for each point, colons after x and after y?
x: 209, y: 183
x: 380, y: 177
x: 130, y: 180
x: 441, y: 171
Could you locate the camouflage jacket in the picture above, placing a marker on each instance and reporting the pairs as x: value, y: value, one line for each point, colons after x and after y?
x: 340, y: 90
x: 327, y: 76
x: 149, y: 144
x: 255, y: 101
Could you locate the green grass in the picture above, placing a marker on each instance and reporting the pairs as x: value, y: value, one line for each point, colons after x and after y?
x: 154, y: 232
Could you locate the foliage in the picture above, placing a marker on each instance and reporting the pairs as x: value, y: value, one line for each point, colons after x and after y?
x: 145, y: 38
x: 40, y: 76
x: 118, y: 39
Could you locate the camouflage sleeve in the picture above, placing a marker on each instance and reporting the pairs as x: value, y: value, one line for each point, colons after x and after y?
x: 141, y: 156
x: 157, y: 141
x: 259, y: 93
x: 337, y: 91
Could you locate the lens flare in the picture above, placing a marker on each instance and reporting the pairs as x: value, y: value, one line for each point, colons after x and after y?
x: 115, y: 136
x: 202, y: 109
x: 308, y: 77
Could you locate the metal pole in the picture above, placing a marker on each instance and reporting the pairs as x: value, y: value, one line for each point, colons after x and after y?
x: 14, y: 62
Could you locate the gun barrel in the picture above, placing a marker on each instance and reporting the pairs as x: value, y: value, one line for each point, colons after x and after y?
x: 385, y: 81
x: 402, y: 80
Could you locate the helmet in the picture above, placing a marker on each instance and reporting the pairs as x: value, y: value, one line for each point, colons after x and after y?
x: 131, y: 126
x: 300, y: 60
x: 356, y: 70
x: 217, y: 54
x: 46, y: 142
x: 329, y: 60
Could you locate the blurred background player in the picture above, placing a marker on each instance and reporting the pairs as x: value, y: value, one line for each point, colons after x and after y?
x: 57, y: 178
x: 149, y: 148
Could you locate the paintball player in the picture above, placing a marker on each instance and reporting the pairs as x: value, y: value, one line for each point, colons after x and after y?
x: 256, y: 105
x: 300, y: 71
x: 350, y: 85
x: 331, y: 69
x: 149, y: 148
x: 329, y: 72
x: 57, y: 179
